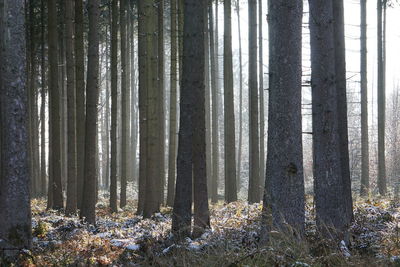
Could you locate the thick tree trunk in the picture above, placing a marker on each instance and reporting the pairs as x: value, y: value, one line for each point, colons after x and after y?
x: 114, y: 103
x: 328, y: 182
x: 92, y: 94
x: 55, y: 115
x: 15, y: 212
x: 229, y: 114
x: 284, y: 181
x: 71, y: 205
x: 173, y: 109
x: 254, y: 144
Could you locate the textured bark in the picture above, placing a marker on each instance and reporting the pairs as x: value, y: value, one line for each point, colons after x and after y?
x: 340, y: 69
x: 229, y: 114
x: 71, y: 205
x: 142, y: 106
x: 124, y: 103
x: 114, y: 103
x: 152, y: 193
x: 215, y: 105
x: 43, y: 173
x: 381, y: 102
x: 56, y: 184
x: 207, y: 98
x: 92, y: 94
x: 284, y: 181
x: 173, y: 107
x: 364, y: 191
x: 192, y: 139
x: 195, y: 18
x: 80, y: 98
x: 160, y: 100
x: 239, y: 154
x: 261, y: 96
x: 15, y: 212
x: 328, y: 182
x: 254, y: 144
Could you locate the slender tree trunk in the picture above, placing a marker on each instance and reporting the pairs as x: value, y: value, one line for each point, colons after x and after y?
x: 80, y: 98
x: 15, y: 212
x: 160, y: 98
x: 43, y: 101
x: 239, y: 154
x: 71, y: 205
x: 254, y: 144
x: 381, y: 103
x: 340, y: 69
x: 261, y: 96
x: 173, y: 109
x: 57, y: 194
x: 114, y: 103
x: 229, y: 114
x: 92, y: 94
x: 284, y: 181
x: 124, y: 103
x: 207, y: 99
x: 215, y: 105
x: 364, y: 103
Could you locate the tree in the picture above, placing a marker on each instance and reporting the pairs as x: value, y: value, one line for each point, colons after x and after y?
x: 340, y: 70
x: 215, y: 102
x: 261, y: 96
x: 173, y: 109
x: 331, y: 201
x: 15, y: 211
x: 71, y: 205
x: 254, y: 147
x: 114, y: 103
x: 381, y: 101
x: 125, y: 102
x: 364, y: 103
x: 80, y: 98
x: 92, y: 94
x: 55, y: 184
x: 284, y: 175
x: 43, y: 99
x: 191, y: 161
x: 229, y: 116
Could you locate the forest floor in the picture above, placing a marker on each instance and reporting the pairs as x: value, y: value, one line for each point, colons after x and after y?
x: 125, y: 239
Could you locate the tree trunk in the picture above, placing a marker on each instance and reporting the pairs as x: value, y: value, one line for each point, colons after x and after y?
x: 261, y: 96
x: 56, y: 184
x: 381, y: 103
x: 284, y: 181
x: 254, y: 145
x: 173, y: 109
x: 364, y: 103
x: 215, y: 106
x: 43, y: 102
x: 160, y: 99
x: 340, y: 69
x: 80, y: 98
x: 15, y: 212
x: 114, y: 103
x: 239, y: 154
x: 229, y: 114
x: 328, y: 182
x: 71, y: 205
x: 92, y: 94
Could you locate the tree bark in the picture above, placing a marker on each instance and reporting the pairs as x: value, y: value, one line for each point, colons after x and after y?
x: 15, y: 212
x: 92, y: 94
x: 55, y: 115
x: 229, y: 114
